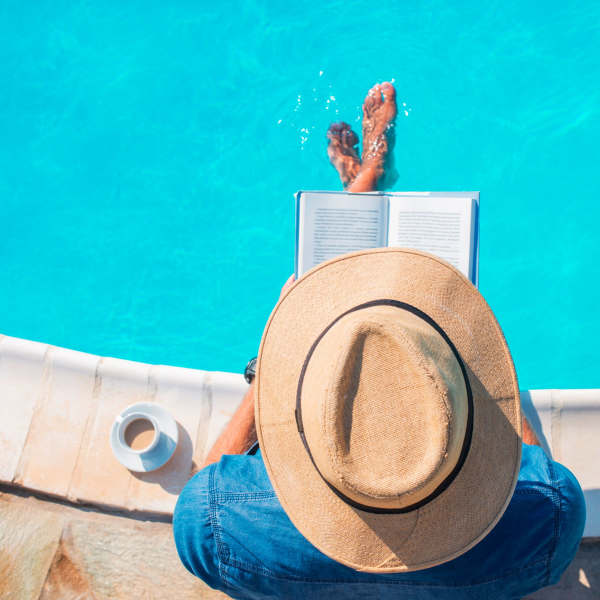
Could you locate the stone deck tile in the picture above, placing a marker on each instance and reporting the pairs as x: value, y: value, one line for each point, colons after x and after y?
x: 50, y: 551
x: 182, y: 393
x: 132, y: 560
x: 98, y: 477
x: 22, y: 368
x: 59, y: 422
x: 28, y: 543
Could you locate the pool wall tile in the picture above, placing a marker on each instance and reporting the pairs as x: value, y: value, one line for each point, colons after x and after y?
x: 59, y: 423
x: 181, y: 392
x: 576, y: 444
x: 58, y: 407
x: 226, y: 391
x: 202, y: 404
x: 567, y: 423
x: 22, y: 370
x: 537, y: 407
x: 98, y: 476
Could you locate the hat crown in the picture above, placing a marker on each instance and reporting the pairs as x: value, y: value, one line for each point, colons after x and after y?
x: 384, y: 406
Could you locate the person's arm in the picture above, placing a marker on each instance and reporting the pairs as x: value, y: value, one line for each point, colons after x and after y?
x: 529, y: 436
x: 240, y: 433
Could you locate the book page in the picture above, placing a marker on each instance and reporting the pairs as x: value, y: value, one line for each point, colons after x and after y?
x: 333, y: 224
x: 440, y: 225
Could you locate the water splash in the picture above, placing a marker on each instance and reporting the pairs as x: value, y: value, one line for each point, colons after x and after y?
x: 298, y: 103
x: 318, y: 98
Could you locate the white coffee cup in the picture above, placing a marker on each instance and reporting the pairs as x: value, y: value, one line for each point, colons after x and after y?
x: 125, y: 422
x: 158, y: 451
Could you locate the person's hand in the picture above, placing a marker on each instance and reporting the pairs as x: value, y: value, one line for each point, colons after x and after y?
x: 287, y: 285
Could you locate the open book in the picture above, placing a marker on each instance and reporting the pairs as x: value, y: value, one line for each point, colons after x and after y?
x: 443, y: 223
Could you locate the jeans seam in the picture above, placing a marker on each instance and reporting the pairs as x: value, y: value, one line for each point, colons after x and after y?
x: 216, y: 528
x: 535, y: 487
x: 556, y: 506
x: 235, y: 497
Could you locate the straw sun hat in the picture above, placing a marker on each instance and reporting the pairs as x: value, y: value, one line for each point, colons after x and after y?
x: 387, y: 410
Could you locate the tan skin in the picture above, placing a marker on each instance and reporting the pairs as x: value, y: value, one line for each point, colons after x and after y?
x: 358, y: 174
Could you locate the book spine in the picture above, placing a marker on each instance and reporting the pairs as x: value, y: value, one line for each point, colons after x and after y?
x: 297, y: 197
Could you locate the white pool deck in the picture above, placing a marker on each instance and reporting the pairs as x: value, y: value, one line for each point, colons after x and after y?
x: 58, y: 405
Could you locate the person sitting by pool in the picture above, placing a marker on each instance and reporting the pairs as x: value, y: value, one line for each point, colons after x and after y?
x: 394, y: 461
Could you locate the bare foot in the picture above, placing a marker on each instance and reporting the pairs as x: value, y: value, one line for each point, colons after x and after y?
x: 342, y: 151
x: 378, y: 120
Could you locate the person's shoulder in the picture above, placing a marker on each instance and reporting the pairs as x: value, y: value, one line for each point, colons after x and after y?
x: 537, y: 468
x: 542, y: 476
x: 539, y: 473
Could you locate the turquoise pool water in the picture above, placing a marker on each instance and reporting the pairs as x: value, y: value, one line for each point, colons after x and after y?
x: 150, y: 152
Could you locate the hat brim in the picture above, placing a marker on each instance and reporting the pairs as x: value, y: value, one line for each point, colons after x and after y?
x: 471, y: 505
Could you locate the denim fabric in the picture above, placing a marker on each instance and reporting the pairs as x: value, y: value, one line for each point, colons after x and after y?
x: 231, y: 531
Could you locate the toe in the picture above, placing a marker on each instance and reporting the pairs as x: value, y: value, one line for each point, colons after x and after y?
x: 388, y: 91
x: 376, y: 90
x: 344, y: 127
x: 349, y: 137
x: 389, y: 99
x: 335, y: 130
x: 373, y: 99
